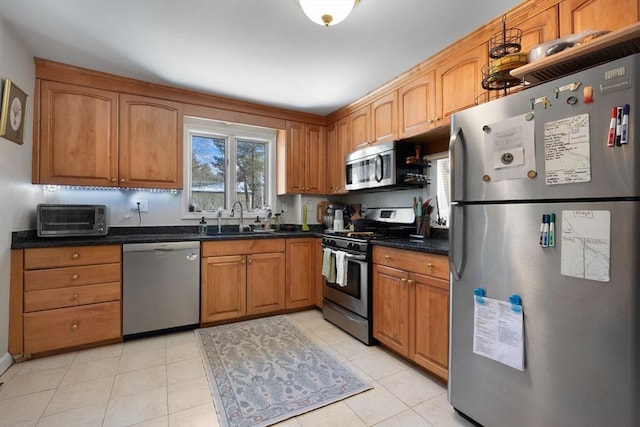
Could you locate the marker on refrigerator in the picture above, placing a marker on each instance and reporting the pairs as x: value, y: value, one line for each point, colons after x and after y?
x: 619, y: 126
x: 625, y: 124
x: 545, y: 231
x: 612, y: 127
x: 541, y: 231
x: 552, y: 231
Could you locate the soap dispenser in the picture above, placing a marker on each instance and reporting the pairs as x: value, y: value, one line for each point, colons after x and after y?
x: 202, y: 227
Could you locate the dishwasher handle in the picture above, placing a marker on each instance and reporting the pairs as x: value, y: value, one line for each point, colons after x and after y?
x: 159, y: 246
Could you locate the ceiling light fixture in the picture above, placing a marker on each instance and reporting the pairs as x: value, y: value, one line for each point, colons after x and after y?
x: 327, y: 12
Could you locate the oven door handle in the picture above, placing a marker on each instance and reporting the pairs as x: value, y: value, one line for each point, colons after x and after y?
x: 357, y: 257
x: 349, y: 255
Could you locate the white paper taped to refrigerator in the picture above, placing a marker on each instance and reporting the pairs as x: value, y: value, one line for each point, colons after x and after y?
x: 567, y: 156
x: 498, y: 332
x: 510, y: 146
x: 586, y: 245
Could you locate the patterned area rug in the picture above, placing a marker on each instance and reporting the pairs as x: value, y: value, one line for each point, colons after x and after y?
x: 264, y: 371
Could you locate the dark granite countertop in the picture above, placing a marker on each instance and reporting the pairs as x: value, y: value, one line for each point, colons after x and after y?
x: 155, y: 234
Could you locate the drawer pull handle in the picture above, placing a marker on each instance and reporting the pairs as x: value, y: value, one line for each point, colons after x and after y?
x: 74, y: 297
x: 430, y: 265
x: 75, y: 256
x: 74, y: 326
x: 387, y: 257
x: 74, y: 277
x: 411, y: 282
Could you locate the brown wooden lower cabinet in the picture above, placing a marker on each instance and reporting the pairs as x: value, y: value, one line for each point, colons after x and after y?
x: 411, y: 306
x: 64, y: 297
x: 301, y: 272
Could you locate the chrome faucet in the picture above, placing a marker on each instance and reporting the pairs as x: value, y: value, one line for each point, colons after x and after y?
x: 232, y: 214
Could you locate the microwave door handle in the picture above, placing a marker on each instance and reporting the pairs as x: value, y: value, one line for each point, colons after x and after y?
x: 380, y: 162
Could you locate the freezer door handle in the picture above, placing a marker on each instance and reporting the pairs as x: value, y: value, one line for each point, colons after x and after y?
x: 454, y: 141
x: 456, y: 241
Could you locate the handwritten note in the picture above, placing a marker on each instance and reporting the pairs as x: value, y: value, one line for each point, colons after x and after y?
x: 567, y: 150
x: 498, y: 332
x: 586, y: 244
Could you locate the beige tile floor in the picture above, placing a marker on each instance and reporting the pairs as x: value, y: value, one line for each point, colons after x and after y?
x: 161, y: 381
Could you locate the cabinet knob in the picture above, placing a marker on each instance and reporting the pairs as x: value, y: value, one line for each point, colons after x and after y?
x: 243, y: 261
x: 411, y: 282
x: 431, y: 121
x: 387, y: 257
x: 75, y: 256
x: 114, y: 180
x: 437, y: 119
x: 74, y: 297
x: 74, y: 277
x: 250, y: 260
x: 122, y: 180
x: 430, y: 265
x: 74, y: 326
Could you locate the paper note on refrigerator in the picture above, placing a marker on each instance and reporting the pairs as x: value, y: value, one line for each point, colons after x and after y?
x: 586, y: 244
x: 510, y: 148
x: 567, y: 156
x: 498, y: 332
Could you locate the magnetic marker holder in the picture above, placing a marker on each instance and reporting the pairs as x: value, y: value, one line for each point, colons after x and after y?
x: 479, y: 294
x: 516, y: 303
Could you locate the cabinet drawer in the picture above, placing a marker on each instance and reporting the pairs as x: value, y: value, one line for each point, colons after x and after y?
x: 36, y: 280
x: 242, y: 247
x: 68, y: 327
x: 69, y: 256
x: 69, y: 297
x: 418, y: 262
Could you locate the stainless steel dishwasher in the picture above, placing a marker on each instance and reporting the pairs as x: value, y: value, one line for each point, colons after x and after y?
x: 161, y: 286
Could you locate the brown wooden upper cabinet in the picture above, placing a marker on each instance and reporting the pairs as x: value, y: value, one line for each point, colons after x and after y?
x: 459, y: 82
x: 95, y: 137
x: 339, y: 146
x: 579, y: 15
x: 417, y: 105
x: 78, y: 136
x: 301, y: 165
x: 374, y: 123
x: 150, y: 147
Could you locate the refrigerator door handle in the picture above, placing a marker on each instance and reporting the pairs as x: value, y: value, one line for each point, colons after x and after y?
x: 454, y: 141
x: 457, y: 237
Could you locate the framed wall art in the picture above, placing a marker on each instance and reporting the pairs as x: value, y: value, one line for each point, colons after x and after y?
x: 13, y: 113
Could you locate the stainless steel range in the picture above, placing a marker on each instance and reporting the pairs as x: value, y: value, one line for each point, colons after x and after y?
x: 348, y: 302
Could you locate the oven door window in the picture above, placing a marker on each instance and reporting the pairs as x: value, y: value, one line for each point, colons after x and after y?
x: 355, y: 272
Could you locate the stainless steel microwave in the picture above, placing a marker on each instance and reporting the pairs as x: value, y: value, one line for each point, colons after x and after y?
x: 55, y: 220
x: 391, y: 164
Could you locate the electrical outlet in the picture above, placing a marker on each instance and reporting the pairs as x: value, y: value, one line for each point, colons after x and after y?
x: 284, y: 207
x: 144, y: 205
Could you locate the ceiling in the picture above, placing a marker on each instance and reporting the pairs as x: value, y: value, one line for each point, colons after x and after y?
x: 264, y: 51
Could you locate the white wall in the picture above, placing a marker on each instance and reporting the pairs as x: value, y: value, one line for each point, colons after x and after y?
x: 17, y: 194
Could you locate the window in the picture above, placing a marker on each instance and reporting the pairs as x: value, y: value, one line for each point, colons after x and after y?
x: 440, y: 165
x: 228, y: 162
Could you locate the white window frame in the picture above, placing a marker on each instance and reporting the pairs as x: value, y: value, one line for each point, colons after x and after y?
x: 230, y: 132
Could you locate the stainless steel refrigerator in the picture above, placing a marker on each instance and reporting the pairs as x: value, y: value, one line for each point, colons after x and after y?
x: 567, y: 150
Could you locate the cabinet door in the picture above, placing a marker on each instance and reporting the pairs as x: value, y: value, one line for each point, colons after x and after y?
x: 265, y: 282
x: 384, y: 118
x: 224, y: 290
x: 78, y: 135
x: 294, y: 174
x: 301, y: 273
x: 459, y: 82
x: 417, y: 104
x: 150, y: 147
x: 314, y: 159
x: 360, y: 126
x: 391, y: 308
x: 430, y: 323
x: 339, y: 147
x: 318, y: 273
x: 579, y: 15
